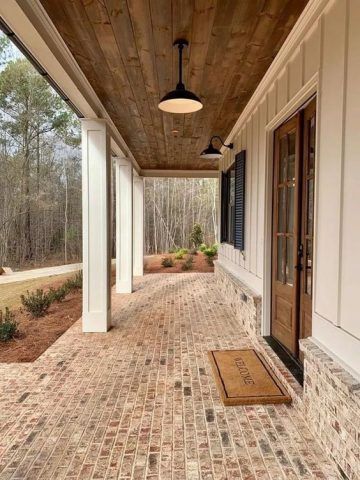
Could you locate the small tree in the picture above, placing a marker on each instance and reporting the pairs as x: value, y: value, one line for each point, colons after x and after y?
x: 197, y: 236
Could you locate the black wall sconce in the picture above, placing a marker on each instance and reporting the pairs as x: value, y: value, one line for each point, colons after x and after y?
x: 213, y: 153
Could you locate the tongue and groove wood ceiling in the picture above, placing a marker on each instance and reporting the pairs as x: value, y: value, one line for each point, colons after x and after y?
x: 124, y: 48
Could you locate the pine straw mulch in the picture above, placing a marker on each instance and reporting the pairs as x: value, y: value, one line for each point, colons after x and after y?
x: 37, y: 334
x: 153, y: 264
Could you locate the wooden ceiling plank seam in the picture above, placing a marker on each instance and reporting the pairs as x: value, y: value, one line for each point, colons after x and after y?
x: 146, y: 56
x: 161, y: 15
x: 97, y: 17
x: 182, y: 16
x: 198, y: 53
x: 91, y: 71
x: 120, y: 21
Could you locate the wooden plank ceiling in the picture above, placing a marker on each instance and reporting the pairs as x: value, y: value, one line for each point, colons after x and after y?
x: 124, y: 47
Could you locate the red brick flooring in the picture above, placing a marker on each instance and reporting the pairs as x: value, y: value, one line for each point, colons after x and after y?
x: 140, y: 401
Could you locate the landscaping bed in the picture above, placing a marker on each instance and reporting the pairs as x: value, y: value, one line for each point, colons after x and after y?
x: 37, y: 334
x: 153, y: 264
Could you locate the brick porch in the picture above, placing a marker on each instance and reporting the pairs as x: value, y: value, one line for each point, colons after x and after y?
x: 140, y: 402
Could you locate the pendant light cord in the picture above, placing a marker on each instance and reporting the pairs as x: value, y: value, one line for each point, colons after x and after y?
x: 180, y: 84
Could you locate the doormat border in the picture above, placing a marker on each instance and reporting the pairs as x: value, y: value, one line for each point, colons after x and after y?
x: 258, y: 400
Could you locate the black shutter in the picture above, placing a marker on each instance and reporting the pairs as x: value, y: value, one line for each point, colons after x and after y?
x: 239, y: 224
x: 224, y: 207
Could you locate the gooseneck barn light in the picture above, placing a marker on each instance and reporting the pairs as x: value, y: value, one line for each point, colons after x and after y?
x: 213, y: 153
x: 180, y: 100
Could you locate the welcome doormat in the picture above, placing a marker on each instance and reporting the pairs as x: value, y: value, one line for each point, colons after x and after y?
x: 244, y: 378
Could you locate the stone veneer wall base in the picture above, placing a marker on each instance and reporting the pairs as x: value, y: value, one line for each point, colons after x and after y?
x: 330, y: 400
x: 332, y: 407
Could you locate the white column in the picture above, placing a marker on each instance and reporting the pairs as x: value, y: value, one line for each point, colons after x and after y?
x: 96, y: 208
x: 138, y: 226
x: 124, y: 225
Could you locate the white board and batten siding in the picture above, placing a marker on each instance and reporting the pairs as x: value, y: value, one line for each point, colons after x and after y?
x: 321, y: 55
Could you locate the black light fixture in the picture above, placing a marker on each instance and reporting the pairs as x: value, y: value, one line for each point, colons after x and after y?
x: 180, y: 100
x: 213, y: 153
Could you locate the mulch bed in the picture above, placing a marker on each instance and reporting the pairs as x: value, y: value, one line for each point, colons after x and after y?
x: 153, y: 264
x: 37, y: 334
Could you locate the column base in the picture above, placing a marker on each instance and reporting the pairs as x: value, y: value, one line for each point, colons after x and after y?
x: 96, y: 322
x: 124, y: 287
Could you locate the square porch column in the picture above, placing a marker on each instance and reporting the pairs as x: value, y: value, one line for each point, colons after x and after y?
x: 124, y: 225
x: 138, y: 262
x: 96, y: 189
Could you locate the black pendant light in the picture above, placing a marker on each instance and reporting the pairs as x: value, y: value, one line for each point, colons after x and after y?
x: 180, y: 100
x: 213, y: 153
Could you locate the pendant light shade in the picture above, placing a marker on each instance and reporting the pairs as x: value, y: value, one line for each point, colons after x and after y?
x: 213, y: 153
x: 180, y: 100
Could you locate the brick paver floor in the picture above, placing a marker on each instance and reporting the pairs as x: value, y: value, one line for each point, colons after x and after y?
x: 140, y: 401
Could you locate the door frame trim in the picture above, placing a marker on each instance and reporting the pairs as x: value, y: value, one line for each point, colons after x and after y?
x: 310, y: 89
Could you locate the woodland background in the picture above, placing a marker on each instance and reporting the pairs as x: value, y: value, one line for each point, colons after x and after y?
x: 40, y: 179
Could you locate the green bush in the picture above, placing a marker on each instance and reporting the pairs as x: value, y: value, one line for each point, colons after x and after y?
x: 188, y: 264
x: 197, y: 236
x: 179, y: 255
x: 173, y: 250
x: 210, y: 253
x: 75, y: 282
x: 8, y: 325
x: 36, y: 303
x: 203, y: 247
x: 58, y: 294
x: 167, y: 262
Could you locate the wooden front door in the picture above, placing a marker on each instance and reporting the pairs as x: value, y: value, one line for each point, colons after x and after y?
x: 294, y: 162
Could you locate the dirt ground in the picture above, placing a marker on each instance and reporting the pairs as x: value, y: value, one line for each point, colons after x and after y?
x: 153, y: 264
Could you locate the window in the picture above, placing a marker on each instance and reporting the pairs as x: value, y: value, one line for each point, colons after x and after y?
x: 233, y: 203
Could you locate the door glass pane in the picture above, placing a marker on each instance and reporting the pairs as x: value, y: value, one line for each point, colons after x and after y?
x: 308, y: 267
x: 310, y: 206
x: 290, y: 209
x: 291, y: 156
x: 311, y: 127
x: 290, y: 261
x: 281, y: 210
x: 283, y: 157
x: 280, y: 268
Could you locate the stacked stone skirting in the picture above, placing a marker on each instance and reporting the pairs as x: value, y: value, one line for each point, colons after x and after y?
x: 330, y: 400
x: 244, y: 302
x: 331, y: 404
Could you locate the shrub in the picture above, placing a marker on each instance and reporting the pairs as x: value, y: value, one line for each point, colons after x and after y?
x: 75, y: 282
x: 58, y: 294
x: 197, y: 236
x: 203, y: 247
x: 173, y: 250
x: 210, y: 253
x: 8, y: 325
x: 188, y: 264
x: 167, y: 262
x: 36, y: 303
x: 179, y: 255
x: 193, y: 251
